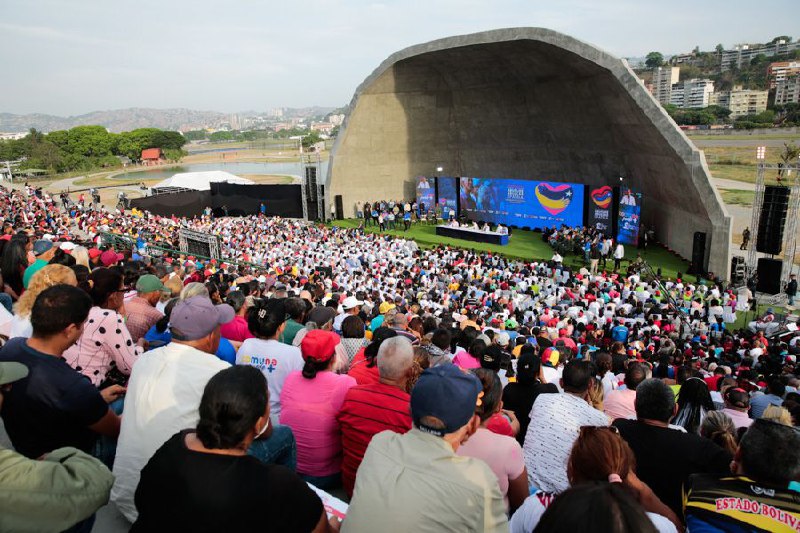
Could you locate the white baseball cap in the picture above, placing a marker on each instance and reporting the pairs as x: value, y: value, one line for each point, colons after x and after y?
x: 351, y: 302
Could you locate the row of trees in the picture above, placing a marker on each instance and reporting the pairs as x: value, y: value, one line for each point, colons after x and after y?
x: 88, y: 147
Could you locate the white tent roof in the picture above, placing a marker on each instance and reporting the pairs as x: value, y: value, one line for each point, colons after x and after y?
x: 201, y: 181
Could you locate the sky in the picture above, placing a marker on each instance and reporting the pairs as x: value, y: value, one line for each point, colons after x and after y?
x: 76, y: 56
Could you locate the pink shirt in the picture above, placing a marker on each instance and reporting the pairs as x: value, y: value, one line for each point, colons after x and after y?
x: 236, y: 330
x: 105, y: 340
x: 309, y: 407
x: 740, y: 419
x: 620, y: 404
x: 502, y: 454
x: 464, y: 360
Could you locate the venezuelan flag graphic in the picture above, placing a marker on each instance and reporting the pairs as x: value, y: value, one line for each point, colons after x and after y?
x: 554, y: 199
x: 602, y: 197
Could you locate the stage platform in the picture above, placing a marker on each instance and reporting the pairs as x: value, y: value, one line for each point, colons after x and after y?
x: 474, y: 235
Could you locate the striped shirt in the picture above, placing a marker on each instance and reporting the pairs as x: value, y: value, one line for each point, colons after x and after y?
x: 367, y: 410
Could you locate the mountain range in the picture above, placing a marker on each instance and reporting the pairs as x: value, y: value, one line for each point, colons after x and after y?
x: 117, y: 120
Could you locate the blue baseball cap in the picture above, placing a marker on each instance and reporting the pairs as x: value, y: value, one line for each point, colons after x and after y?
x: 447, y: 393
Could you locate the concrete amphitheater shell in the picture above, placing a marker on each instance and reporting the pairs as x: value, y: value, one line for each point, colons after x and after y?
x: 525, y: 103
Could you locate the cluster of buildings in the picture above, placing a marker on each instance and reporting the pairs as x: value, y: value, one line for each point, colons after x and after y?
x: 696, y: 93
x: 784, y: 77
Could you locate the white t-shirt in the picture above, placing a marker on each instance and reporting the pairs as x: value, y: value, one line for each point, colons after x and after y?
x: 21, y: 327
x: 556, y: 420
x: 163, y: 398
x: 527, y: 517
x: 275, y: 360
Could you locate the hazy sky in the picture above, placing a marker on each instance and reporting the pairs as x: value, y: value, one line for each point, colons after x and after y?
x: 75, y: 56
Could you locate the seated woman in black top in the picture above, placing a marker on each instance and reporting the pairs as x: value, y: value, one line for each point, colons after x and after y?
x: 203, y: 479
x: 519, y: 396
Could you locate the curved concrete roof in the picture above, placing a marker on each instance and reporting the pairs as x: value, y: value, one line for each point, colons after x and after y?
x: 525, y: 103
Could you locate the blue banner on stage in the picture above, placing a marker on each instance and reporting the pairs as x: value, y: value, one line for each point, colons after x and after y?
x: 426, y: 193
x: 447, y: 189
x: 523, y: 203
x: 630, y: 209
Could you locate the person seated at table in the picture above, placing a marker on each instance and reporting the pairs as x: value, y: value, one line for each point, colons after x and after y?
x: 454, y: 223
x: 502, y: 230
x: 475, y: 225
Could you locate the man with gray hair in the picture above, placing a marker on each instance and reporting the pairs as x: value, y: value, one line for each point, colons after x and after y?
x: 399, y: 323
x: 666, y: 457
x: 370, y: 409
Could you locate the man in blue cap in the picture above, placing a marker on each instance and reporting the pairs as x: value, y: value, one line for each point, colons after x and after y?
x: 415, y: 481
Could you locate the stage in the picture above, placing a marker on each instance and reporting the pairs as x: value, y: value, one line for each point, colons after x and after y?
x: 474, y: 235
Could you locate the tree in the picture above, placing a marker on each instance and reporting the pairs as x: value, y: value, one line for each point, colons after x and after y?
x: 654, y: 60
x: 718, y: 112
x: 174, y: 155
x: 167, y: 140
x: 790, y: 153
x: 689, y: 72
x: 785, y: 38
x: 719, y: 48
x: 195, y: 135
x: 311, y: 139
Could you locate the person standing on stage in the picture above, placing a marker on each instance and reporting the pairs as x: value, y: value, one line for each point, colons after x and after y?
x: 605, y: 251
x: 791, y: 288
x: 745, y: 238
x: 619, y: 254
x: 594, y: 257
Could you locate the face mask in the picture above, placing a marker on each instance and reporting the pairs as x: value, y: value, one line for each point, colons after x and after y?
x: 263, y: 429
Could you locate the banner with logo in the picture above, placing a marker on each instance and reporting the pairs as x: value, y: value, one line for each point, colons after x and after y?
x: 447, y: 191
x: 600, y: 204
x: 523, y: 203
x: 426, y: 192
x: 630, y: 209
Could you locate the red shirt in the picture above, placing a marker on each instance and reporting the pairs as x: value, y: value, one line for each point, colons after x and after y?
x: 367, y: 410
x: 359, y: 370
x: 498, y: 423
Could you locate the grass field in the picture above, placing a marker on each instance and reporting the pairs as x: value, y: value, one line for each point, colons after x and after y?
x: 737, y: 197
x: 527, y: 245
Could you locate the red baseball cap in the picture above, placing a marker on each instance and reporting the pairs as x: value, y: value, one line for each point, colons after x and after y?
x: 94, y: 252
x: 319, y: 345
x: 110, y: 258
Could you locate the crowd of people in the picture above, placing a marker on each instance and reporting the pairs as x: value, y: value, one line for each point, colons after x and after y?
x: 440, y: 389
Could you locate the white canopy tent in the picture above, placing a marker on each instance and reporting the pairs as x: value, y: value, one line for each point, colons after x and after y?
x: 198, y: 181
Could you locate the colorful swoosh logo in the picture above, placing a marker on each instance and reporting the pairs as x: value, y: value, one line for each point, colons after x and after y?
x: 554, y: 199
x: 602, y: 197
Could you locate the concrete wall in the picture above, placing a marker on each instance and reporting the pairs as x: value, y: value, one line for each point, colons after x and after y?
x: 525, y: 103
